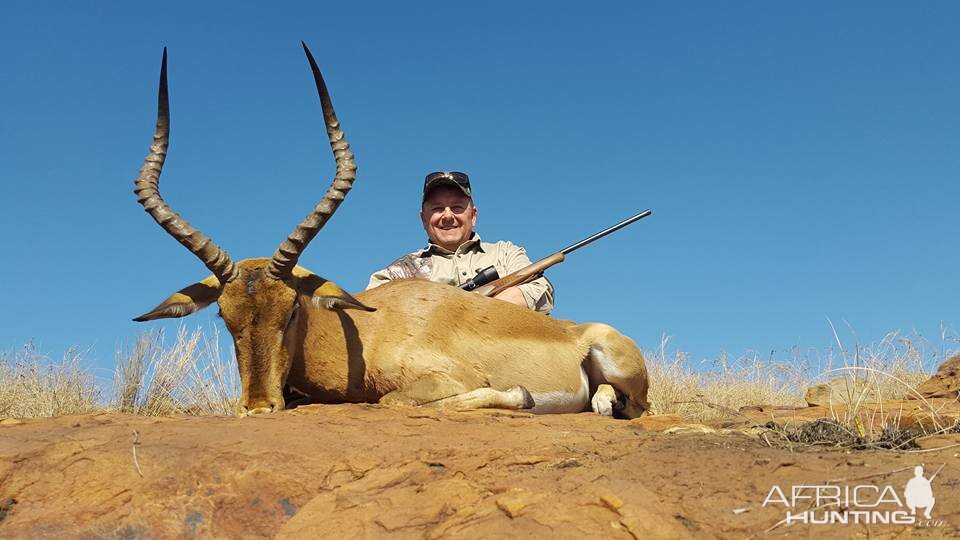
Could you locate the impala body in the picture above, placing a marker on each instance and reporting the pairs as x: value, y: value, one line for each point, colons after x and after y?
x: 407, y: 342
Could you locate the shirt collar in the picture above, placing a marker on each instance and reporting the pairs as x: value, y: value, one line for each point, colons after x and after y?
x: 473, y: 244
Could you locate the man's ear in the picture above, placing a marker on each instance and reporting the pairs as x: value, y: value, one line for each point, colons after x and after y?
x: 325, y: 294
x: 424, y: 219
x: 186, y: 301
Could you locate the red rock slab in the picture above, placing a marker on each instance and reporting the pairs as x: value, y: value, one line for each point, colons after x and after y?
x: 929, y: 415
x: 945, y: 383
x: 358, y: 471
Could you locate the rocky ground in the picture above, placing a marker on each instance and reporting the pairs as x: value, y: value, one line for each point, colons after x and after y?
x: 349, y: 471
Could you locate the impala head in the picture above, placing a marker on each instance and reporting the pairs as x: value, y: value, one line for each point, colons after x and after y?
x: 259, y: 298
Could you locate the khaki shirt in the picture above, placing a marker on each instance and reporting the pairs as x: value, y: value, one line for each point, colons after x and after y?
x: 456, y: 268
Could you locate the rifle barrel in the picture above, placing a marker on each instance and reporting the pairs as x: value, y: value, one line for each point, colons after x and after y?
x: 606, y: 231
x: 936, y: 473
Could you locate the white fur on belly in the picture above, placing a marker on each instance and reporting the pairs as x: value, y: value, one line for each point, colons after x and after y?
x: 562, y: 402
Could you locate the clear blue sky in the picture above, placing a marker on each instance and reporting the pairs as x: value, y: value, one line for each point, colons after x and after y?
x: 801, y: 158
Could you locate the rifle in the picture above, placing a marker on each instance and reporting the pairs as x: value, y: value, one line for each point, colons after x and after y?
x: 488, y: 282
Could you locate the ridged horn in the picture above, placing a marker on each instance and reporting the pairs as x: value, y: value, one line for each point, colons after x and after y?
x: 148, y: 194
x: 286, y: 256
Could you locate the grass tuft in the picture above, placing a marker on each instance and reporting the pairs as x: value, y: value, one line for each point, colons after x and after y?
x: 703, y: 393
x: 188, y: 377
x: 887, y: 370
x: 32, y: 385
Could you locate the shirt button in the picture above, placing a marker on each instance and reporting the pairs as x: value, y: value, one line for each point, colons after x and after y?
x: 464, y: 273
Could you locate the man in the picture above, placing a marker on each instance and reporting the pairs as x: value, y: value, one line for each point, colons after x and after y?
x: 455, y: 253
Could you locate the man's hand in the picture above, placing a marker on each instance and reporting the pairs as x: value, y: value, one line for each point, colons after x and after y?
x: 512, y: 295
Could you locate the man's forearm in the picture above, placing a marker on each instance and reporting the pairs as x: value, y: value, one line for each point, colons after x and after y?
x: 513, y: 295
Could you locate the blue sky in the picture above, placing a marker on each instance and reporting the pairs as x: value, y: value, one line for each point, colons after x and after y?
x: 800, y: 158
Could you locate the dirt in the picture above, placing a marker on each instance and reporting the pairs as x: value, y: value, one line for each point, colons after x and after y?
x: 350, y: 471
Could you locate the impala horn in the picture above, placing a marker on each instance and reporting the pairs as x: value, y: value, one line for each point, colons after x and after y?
x: 286, y: 256
x: 148, y: 194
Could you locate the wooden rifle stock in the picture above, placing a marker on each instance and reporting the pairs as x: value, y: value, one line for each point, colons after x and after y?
x: 532, y: 272
x: 524, y: 275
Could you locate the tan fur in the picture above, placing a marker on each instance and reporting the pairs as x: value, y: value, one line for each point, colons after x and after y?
x: 436, y: 333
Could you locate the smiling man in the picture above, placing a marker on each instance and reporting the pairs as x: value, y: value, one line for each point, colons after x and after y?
x: 455, y: 252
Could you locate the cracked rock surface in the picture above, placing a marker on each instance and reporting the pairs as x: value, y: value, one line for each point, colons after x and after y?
x: 364, y: 471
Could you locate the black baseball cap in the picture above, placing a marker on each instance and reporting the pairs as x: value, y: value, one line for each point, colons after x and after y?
x: 455, y: 179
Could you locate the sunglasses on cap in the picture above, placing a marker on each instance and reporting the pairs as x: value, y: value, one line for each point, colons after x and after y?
x: 450, y: 178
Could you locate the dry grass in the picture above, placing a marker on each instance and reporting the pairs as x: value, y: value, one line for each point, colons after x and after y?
x: 890, y: 369
x: 700, y: 393
x: 190, y: 376
x: 864, y: 375
x: 33, y: 385
x: 886, y: 370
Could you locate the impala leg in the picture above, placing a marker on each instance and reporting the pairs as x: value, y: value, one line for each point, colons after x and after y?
x: 487, y: 398
x: 424, y: 390
x: 630, y: 388
x: 614, y: 360
x: 445, y: 393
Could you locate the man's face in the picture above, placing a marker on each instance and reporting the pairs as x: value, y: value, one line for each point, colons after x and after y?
x: 449, y: 217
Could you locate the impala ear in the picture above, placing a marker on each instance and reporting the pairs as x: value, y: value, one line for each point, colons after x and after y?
x: 326, y: 294
x: 186, y: 301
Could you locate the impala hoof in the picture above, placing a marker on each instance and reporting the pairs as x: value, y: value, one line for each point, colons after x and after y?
x: 604, y: 400
x: 526, y: 400
x: 264, y: 408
